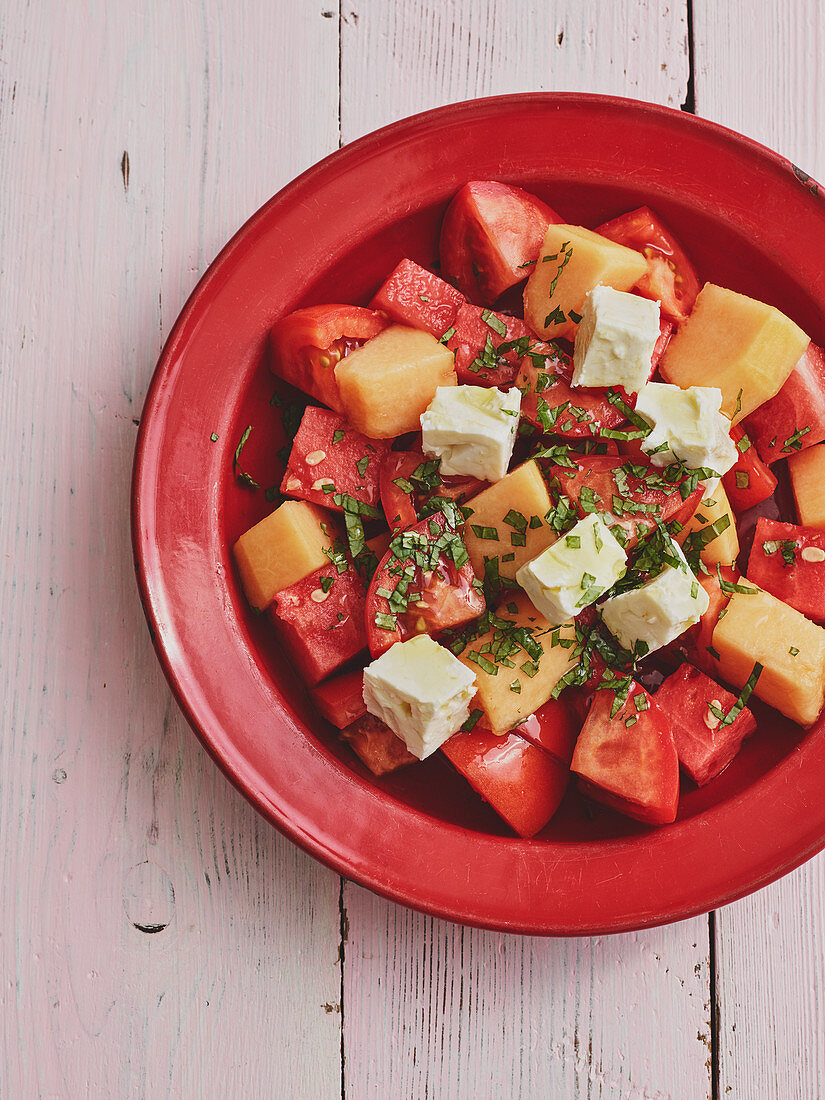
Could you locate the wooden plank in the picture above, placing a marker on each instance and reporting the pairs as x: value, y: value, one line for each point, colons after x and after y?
x: 401, y: 58
x: 430, y: 1008
x: 758, y: 71
x: 157, y: 938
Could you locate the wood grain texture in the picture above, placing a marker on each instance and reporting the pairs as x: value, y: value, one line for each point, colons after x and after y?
x: 430, y: 1008
x: 436, y: 1010
x: 158, y: 939
x: 758, y: 70
x: 401, y: 58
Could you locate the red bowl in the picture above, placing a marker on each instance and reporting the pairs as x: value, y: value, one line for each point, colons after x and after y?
x: 750, y: 221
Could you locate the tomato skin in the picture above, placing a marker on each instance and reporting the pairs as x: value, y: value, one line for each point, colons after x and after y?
x: 799, y: 406
x: 634, y: 769
x: 416, y: 297
x: 598, y: 473
x: 760, y: 483
x: 318, y: 642
x: 697, y: 643
x: 341, y: 699
x: 800, y: 584
x: 703, y: 752
x: 671, y: 277
x: 665, y: 333
x: 305, y: 469
x: 554, y: 727
x: 305, y: 346
x: 523, y: 783
x: 539, y: 402
x: 490, y: 231
x: 403, y: 509
x: 449, y: 596
x: 375, y: 744
x: 469, y: 339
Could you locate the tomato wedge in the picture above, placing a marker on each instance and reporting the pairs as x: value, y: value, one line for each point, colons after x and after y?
x: 628, y: 760
x: 552, y: 405
x: 750, y: 481
x: 424, y: 584
x: 554, y: 727
x: 306, y: 346
x: 705, y: 747
x: 523, y: 783
x: 632, y: 496
x: 671, y: 278
x: 697, y: 644
x: 490, y: 234
x: 412, y: 487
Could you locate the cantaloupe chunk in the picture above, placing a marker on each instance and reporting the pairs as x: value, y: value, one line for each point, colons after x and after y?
x: 790, y: 648
x: 722, y: 548
x: 387, y: 384
x: 508, y: 695
x: 282, y: 549
x: 807, y: 471
x: 487, y: 534
x: 737, y: 344
x: 592, y: 259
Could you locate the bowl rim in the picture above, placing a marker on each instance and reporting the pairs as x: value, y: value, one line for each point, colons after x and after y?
x: 174, y: 667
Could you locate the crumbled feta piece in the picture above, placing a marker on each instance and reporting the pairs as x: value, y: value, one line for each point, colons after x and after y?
x: 660, y: 610
x: 421, y: 691
x: 688, y: 426
x: 472, y: 429
x: 615, y: 339
x: 574, y: 571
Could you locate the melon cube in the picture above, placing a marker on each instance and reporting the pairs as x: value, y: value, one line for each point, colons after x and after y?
x: 572, y: 261
x: 282, y: 549
x: 388, y: 383
x: 746, y: 348
x: 758, y: 628
x: 507, y: 521
x: 807, y: 471
x: 722, y: 547
x: 507, y: 695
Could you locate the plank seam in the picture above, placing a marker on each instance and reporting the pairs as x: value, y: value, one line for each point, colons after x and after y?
x: 714, y: 1008
x: 689, y: 104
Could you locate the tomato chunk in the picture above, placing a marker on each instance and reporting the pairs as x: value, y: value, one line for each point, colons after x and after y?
x: 554, y: 727
x: 490, y: 234
x: 482, y: 345
x: 416, y: 297
x: 341, y: 699
x: 377, y: 746
x: 412, y: 488
x: 704, y: 744
x: 328, y: 452
x: 553, y: 406
x: 306, y: 346
x: 632, y: 496
x: 795, y: 418
x: 750, y: 481
x: 789, y: 562
x: 628, y: 761
x: 697, y: 643
x: 665, y: 333
x: 424, y: 584
x: 320, y: 621
x: 671, y: 277
x: 523, y: 783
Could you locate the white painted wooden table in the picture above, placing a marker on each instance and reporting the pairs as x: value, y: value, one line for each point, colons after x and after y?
x: 156, y: 938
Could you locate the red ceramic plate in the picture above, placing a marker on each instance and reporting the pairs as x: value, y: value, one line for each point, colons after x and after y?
x: 749, y: 220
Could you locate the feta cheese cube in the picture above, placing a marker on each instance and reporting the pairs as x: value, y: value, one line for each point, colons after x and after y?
x: 660, y: 610
x: 615, y: 339
x: 688, y: 426
x: 472, y: 429
x: 421, y: 691
x: 574, y: 571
